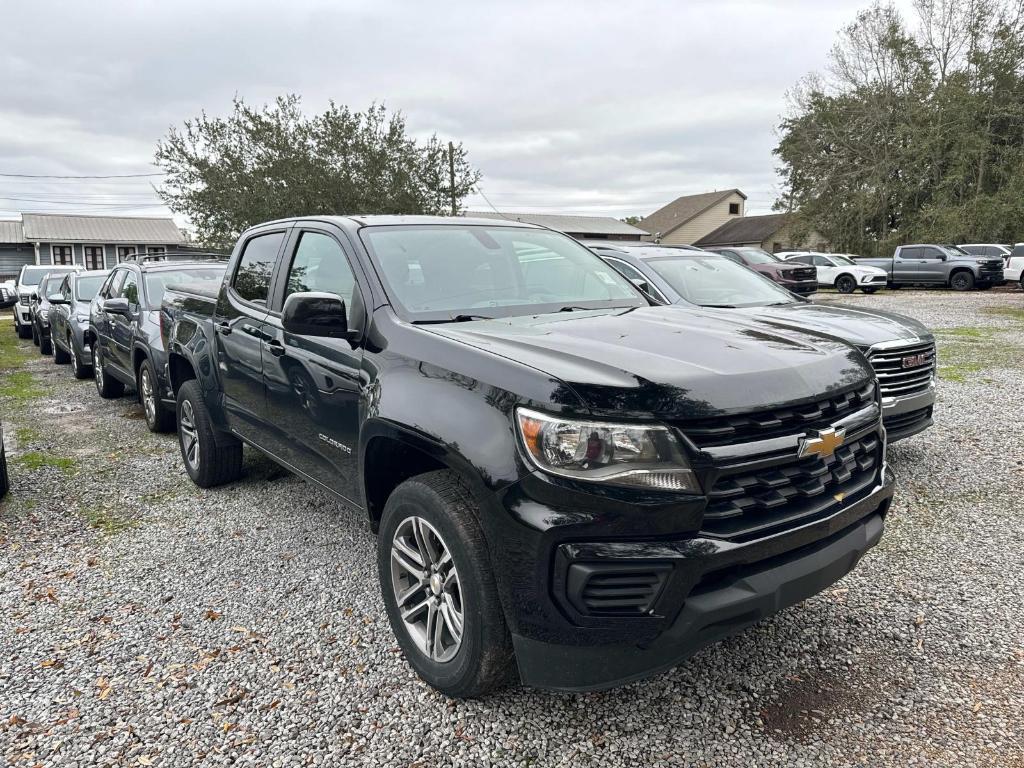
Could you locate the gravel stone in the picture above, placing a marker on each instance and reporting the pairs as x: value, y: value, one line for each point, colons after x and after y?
x: 144, y: 621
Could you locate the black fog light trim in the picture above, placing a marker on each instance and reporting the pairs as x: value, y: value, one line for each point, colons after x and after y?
x: 615, y: 589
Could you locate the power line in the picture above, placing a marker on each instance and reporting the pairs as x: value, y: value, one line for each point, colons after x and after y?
x: 107, y: 176
x: 107, y: 204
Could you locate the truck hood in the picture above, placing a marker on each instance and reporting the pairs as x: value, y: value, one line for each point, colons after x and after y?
x: 861, y: 327
x: 669, y: 362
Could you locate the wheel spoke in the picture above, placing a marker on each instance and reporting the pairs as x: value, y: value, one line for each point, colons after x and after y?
x: 426, y: 546
x: 407, y: 565
x: 431, y: 630
x: 409, y: 613
x: 453, y: 618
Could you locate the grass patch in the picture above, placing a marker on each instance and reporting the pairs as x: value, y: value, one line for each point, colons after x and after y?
x: 106, y: 522
x: 20, y: 386
x: 959, y: 373
x: 1010, y: 312
x: 38, y: 460
x: 967, y: 332
x: 25, y: 435
x: 12, y: 354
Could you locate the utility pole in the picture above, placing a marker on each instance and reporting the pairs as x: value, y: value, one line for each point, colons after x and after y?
x: 451, y: 177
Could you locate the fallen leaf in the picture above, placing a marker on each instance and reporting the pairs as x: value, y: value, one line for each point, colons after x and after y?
x: 212, y: 615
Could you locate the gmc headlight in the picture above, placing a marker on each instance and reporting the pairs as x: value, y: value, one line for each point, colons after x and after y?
x: 43, y: 313
x: 647, y: 456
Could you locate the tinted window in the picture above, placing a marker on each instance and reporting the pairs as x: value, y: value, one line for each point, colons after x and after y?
x: 978, y: 250
x: 32, y: 275
x: 255, y: 268
x: 805, y: 259
x: 114, y: 287
x: 821, y: 261
x: 627, y: 270
x: 910, y: 253
x: 757, y: 256
x: 731, y: 256
x: 87, y: 287
x: 158, y: 282
x: 929, y: 252
x: 320, y: 265
x: 130, y: 290
x: 436, y: 272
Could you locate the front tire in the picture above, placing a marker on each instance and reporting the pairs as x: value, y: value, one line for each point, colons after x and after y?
x: 438, y: 588
x: 45, y: 345
x: 35, y: 335
x: 60, y: 357
x: 158, y: 417
x: 23, y: 331
x: 962, y: 281
x: 846, y: 284
x: 79, y: 367
x: 211, y: 457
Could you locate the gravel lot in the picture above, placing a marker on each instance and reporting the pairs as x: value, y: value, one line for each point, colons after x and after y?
x: 146, y: 622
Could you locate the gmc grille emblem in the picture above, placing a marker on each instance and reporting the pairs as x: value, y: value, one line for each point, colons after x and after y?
x: 912, y: 361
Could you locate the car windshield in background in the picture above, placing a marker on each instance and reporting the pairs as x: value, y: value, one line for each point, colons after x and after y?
x: 757, y: 256
x: 32, y: 275
x: 714, y: 281
x: 158, y: 282
x: 87, y: 286
x: 438, y: 273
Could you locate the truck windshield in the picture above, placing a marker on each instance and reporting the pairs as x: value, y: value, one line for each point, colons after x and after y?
x: 443, y: 272
x: 32, y: 275
x: 757, y: 256
x: 714, y: 281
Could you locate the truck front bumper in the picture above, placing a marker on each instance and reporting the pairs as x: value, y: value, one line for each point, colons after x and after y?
x: 904, y: 417
x: 712, y: 588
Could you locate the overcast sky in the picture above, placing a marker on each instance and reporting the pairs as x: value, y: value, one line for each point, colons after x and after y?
x: 604, y: 108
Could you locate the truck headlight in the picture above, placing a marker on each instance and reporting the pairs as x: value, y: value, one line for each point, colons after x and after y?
x: 644, y: 456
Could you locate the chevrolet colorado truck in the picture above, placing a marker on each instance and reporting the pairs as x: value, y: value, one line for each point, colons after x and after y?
x: 571, y: 487
x: 941, y: 265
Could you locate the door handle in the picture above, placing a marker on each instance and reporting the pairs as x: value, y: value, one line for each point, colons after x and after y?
x: 276, y: 348
x: 223, y: 328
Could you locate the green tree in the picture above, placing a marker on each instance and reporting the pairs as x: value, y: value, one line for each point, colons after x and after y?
x: 912, y: 134
x: 258, y: 164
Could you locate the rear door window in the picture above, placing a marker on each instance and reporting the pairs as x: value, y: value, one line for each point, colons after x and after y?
x: 255, y: 269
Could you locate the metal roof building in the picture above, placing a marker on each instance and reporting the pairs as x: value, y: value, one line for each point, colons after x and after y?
x: 580, y: 227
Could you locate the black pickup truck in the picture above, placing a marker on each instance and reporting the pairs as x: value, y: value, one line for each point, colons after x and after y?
x: 572, y: 488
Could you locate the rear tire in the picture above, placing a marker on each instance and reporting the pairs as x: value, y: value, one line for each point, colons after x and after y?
x: 961, y: 281
x: 440, y: 510
x: 846, y: 284
x: 869, y: 290
x: 107, y: 386
x: 158, y: 417
x: 45, y: 346
x: 894, y: 286
x: 35, y: 335
x: 24, y: 331
x: 210, y: 457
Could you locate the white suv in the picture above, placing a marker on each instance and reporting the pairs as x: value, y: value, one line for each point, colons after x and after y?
x: 840, y: 271
x: 25, y: 286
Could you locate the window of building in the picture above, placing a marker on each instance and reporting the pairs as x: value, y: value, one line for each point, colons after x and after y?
x: 94, y: 257
x: 125, y: 252
x: 62, y: 254
x: 252, y: 277
x: 155, y: 249
x: 734, y: 209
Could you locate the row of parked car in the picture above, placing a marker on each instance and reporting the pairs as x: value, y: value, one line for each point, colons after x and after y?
x: 583, y: 462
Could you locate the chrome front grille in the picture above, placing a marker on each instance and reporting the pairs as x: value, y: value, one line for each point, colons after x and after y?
x: 787, y: 420
x: 747, y: 502
x: 906, y: 370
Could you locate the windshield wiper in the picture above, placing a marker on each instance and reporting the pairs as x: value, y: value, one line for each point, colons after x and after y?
x: 720, y: 306
x: 453, y: 319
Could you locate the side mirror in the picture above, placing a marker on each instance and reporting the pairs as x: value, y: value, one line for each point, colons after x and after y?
x: 315, y: 314
x: 56, y: 298
x: 643, y: 285
x: 116, y: 307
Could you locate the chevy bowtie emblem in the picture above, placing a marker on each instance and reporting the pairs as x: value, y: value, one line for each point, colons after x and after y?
x: 824, y: 445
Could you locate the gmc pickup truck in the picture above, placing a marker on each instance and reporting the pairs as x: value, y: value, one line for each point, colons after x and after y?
x: 572, y: 488
x: 942, y: 265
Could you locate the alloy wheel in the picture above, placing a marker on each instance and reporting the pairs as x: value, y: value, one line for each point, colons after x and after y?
x: 189, y: 435
x: 148, y: 398
x: 427, y: 589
